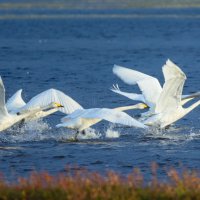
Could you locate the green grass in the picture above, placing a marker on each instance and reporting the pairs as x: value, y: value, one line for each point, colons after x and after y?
x: 85, y: 185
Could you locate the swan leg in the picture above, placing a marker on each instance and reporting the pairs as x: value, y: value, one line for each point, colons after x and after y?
x: 83, y: 132
x: 167, y: 127
x: 76, y: 136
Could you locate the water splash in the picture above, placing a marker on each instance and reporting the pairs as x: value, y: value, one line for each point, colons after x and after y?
x: 36, y: 126
x: 111, y: 133
x: 31, y: 131
x: 67, y: 135
x: 90, y: 134
x: 173, y: 133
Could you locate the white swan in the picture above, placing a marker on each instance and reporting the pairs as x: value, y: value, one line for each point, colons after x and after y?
x: 16, y: 104
x: 84, y: 118
x: 169, y: 105
x: 149, y: 86
x: 8, y: 119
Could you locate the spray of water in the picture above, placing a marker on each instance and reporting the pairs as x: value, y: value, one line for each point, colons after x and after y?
x: 111, y: 133
x: 31, y: 131
x: 42, y: 131
x: 90, y: 134
x: 173, y: 133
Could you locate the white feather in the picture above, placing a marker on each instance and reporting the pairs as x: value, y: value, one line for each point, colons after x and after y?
x: 150, y: 87
x: 3, y: 109
x: 82, y: 119
x: 8, y: 119
x: 146, y: 83
x: 15, y: 102
x: 170, y: 70
x: 132, y: 96
x: 169, y: 106
x: 52, y: 95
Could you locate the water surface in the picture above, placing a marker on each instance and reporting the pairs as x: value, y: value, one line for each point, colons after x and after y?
x: 76, y: 55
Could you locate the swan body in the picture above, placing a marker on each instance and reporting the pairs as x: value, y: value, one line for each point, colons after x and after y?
x: 149, y: 86
x: 84, y: 118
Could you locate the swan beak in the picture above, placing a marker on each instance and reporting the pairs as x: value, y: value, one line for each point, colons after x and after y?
x: 59, y: 105
x: 146, y: 106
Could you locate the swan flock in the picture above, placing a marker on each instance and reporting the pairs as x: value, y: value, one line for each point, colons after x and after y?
x: 164, y: 103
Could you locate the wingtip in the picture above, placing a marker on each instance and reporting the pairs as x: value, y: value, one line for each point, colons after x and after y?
x: 117, y: 68
x: 114, y: 68
x: 170, y: 62
x: 20, y: 91
x: 52, y: 89
x: 1, y: 82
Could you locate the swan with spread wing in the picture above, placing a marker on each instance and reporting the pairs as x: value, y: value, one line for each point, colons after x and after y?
x: 77, y: 118
x: 149, y: 86
x: 81, y: 119
x: 45, y: 98
x: 169, y: 107
x: 8, y: 118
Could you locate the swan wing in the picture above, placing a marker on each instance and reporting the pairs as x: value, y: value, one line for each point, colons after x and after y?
x: 112, y: 115
x: 171, y: 95
x: 171, y: 70
x: 129, y: 76
x: 132, y: 96
x: 3, y: 109
x: 77, y: 113
x: 15, y: 102
x: 150, y: 94
x: 149, y: 86
x: 191, y: 96
x: 52, y: 95
x: 170, y: 98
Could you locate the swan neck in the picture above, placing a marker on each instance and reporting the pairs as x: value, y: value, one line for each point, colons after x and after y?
x: 193, y: 106
x: 49, y: 112
x: 184, y: 101
x: 34, y: 110
x: 123, y: 108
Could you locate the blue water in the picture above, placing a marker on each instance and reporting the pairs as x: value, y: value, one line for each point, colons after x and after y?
x: 76, y: 55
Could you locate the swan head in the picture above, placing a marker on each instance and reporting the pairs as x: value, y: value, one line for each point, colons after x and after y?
x: 57, y: 105
x: 142, y: 106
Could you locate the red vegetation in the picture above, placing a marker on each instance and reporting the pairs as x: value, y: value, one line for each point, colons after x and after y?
x: 85, y: 185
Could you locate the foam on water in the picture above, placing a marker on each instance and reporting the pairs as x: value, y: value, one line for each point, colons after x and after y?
x: 110, y: 133
x: 42, y: 131
x: 175, y: 134
x: 90, y: 134
x: 38, y: 126
x: 31, y: 131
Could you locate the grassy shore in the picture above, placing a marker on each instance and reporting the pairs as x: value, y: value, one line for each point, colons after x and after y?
x: 85, y: 185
